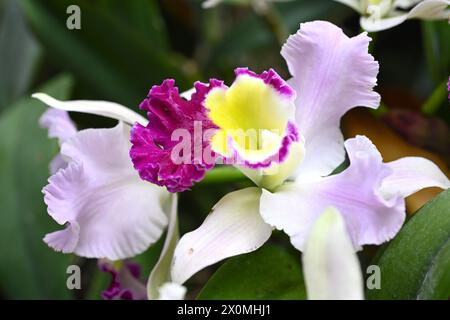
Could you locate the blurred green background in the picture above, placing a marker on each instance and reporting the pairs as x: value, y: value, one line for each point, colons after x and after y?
x: 125, y: 47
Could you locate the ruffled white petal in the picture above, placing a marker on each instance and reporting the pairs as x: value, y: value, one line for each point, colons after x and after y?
x: 110, y: 213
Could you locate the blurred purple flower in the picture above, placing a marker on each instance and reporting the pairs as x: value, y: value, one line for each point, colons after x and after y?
x: 125, y: 283
x: 426, y: 132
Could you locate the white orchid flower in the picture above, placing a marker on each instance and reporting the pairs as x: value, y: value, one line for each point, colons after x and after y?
x: 377, y: 15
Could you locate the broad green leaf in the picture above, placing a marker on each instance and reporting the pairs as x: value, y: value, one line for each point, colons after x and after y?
x: 268, y: 273
x: 28, y: 268
x: 416, y: 264
x: 437, y: 282
x: 18, y: 54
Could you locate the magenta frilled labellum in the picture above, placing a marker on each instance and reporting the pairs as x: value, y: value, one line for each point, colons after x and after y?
x: 249, y: 124
x: 152, y: 145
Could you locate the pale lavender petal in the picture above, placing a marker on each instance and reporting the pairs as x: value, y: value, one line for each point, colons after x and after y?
x: 57, y: 163
x: 117, y: 213
x: 332, y: 73
x: 370, y: 218
x: 65, y: 240
x: 412, y: 174
x: 233, y: 227
x: 58, y: 124
x: 125, y: 283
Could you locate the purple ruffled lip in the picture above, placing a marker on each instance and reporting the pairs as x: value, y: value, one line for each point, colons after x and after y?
x: 153, y: 148
x: 156, y: 154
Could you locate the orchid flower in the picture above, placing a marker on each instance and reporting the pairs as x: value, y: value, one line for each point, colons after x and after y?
x: 297, y: 146
x: 126, y: 283
x: 284, y: 136
x: 377, y: 15
x: 330, y: 264
x: 109, y: 212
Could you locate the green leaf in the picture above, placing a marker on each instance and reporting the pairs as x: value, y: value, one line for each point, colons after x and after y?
x: 111, y: 55
x: 18, y: 54
x: 437, y: 282
x: 436, y: 35
x: 251, y: 34
x: 268, y: 273
x: 416, y: 264
x: 28, y: 268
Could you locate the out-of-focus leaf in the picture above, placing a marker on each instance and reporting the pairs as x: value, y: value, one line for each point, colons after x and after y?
x: 436, y: 35
x: 252, y: 33
x: 110, y: 54
x: 28, y: 268
x: 416, y: 264
x: 268, y: 273
x: 18, y: 54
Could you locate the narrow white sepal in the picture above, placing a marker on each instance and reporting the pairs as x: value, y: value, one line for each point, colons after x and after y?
x: 330, y: 265
x: 101, y: 108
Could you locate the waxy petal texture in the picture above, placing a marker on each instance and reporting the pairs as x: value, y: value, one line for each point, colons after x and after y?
x: 320, y: 58
x: 109, y: 211
x: 330, y: 264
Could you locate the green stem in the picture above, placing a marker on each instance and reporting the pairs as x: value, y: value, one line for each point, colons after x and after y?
x: 436, y: 99
x: 223, y: 175
x: 430, y: 48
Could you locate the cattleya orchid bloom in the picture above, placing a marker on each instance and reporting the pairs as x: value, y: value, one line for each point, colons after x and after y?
x: 95, y: 188
x: 284, y: 136
x: 111, y: 214
x: 327, y: 248
x: 377, y: 15
x: 295, y: 186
